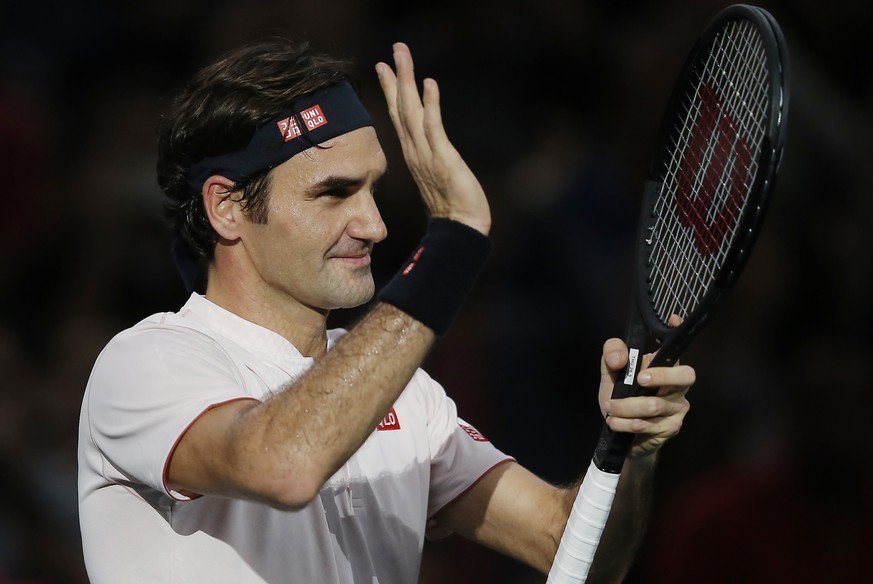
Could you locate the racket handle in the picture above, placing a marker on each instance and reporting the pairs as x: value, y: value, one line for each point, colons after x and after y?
x: 612, y: 449
x: 584, y: 527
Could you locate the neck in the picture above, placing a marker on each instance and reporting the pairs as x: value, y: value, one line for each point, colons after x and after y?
x: 303, y: 326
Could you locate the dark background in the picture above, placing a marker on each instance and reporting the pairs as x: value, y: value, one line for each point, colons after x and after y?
x: 555, y: 105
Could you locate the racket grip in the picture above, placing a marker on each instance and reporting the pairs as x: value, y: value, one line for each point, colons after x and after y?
x: 612, y: 449
x: 584, y: 527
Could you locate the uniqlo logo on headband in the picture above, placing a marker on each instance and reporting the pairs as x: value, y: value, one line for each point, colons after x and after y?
x: 289, y: 128
x: 313, y: 117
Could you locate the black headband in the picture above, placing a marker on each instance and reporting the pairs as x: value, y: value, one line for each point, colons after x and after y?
x: 312, y: 119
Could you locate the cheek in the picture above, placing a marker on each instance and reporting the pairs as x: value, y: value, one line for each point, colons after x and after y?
x: 297, y: 237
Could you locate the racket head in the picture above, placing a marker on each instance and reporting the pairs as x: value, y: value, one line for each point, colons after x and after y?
x: 716, y: 159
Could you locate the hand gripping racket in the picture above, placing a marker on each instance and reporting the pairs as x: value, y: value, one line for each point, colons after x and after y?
x: 714, y: 166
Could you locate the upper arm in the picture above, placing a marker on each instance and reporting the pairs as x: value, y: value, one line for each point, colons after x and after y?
x: 513, y: 511
x: 148, y: 387
x: 204, y: 459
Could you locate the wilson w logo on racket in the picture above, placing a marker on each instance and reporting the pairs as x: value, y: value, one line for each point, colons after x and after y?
x: 714, y: 175
x: 715, y: 161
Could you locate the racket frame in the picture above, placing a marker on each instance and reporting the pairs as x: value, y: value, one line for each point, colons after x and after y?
x: 646, y: 331
x: 671, y: 342
x: 581, y: 538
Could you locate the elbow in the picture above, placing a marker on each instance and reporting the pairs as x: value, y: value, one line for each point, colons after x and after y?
x: 289, y: 491
x: 275, y: 473
x: 294, y: 497
x: 282, y: 484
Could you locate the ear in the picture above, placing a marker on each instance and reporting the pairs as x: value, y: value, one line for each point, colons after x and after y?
x: 222, y: 206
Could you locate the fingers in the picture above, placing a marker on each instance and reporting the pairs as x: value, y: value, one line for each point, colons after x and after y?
x: 409, y: 105
x: 435, y: 131
x: 654, y: 418
x: 671, y: 385
x: 660, y: 428
x: 653, y: 408
x: 405, y: 105
x: 667, y: 379
x: 614, y: 357
x: 657, y: 418
x: 388, y: 82
x: 447, y: 185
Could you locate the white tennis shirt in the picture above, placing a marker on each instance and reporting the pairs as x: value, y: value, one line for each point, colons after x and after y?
x: 152, y: 381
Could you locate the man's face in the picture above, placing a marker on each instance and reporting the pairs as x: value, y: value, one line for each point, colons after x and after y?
x: 321, y: 225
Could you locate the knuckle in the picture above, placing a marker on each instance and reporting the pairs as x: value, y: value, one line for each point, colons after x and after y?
x: 653, y: 406
x: 639, y: 426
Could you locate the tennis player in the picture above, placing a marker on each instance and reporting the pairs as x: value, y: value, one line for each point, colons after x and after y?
x: 238, y: 440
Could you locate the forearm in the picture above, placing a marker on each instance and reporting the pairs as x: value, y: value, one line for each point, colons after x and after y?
x: 308, y: 431
x: 282, y: 450
x: 289, y: 445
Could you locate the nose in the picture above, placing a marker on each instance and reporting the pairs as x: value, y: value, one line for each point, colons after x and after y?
x: 366, y: 222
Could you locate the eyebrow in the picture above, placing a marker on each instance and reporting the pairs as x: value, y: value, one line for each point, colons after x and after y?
x: 336, y: 182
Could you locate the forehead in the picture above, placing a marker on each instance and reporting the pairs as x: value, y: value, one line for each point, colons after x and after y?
x: 355, y: 155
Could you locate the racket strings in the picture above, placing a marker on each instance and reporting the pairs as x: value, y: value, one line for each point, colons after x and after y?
x: 709, y: 169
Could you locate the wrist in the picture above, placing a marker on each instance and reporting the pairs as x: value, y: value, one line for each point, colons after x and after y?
x: 643, y: 462
x: 435, y: 281
x: 483, y: 226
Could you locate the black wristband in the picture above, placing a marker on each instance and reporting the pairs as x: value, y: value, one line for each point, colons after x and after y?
x: 436, y: 279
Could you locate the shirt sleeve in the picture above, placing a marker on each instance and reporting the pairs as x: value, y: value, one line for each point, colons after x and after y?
x: 460, y: 454
x: 147, y: 387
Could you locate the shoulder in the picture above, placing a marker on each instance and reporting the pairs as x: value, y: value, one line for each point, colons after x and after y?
x: 163, y: 343
x: 162, y: 332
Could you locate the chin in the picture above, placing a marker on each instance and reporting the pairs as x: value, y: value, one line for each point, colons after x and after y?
x: 353, y: 304
x: 354, y: 300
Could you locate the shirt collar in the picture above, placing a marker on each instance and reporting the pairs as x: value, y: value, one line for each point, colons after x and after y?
x: 260, y: 341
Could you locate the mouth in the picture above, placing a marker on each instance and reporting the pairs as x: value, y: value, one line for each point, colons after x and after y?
x: 361, y: 259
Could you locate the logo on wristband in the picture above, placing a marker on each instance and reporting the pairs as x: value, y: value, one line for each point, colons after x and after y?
x: 411, y: 265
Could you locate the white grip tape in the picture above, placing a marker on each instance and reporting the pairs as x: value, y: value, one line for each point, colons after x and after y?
x: 584, y: 527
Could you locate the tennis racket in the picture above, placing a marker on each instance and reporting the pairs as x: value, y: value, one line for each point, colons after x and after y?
x: 716, y: 159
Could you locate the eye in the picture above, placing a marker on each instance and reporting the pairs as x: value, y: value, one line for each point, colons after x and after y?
x: 336, y: 193
x: 376, y: 186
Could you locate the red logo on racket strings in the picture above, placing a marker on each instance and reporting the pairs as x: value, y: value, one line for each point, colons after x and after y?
x: 474, y: 433
x: 711, y: 226
x: 389, y: 422
x: 414, y: 261
x: 312, y: 117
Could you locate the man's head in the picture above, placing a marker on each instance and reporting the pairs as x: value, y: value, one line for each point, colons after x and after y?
x: 213, y: 126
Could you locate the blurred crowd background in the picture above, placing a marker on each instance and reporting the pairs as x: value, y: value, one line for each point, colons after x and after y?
x: 555, y: 104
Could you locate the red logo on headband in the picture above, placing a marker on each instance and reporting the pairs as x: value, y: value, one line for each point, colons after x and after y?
x: 313, y: 117
x: 289, y: 128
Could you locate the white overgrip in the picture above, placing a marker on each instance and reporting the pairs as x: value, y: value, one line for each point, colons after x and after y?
x: 584, y: 527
